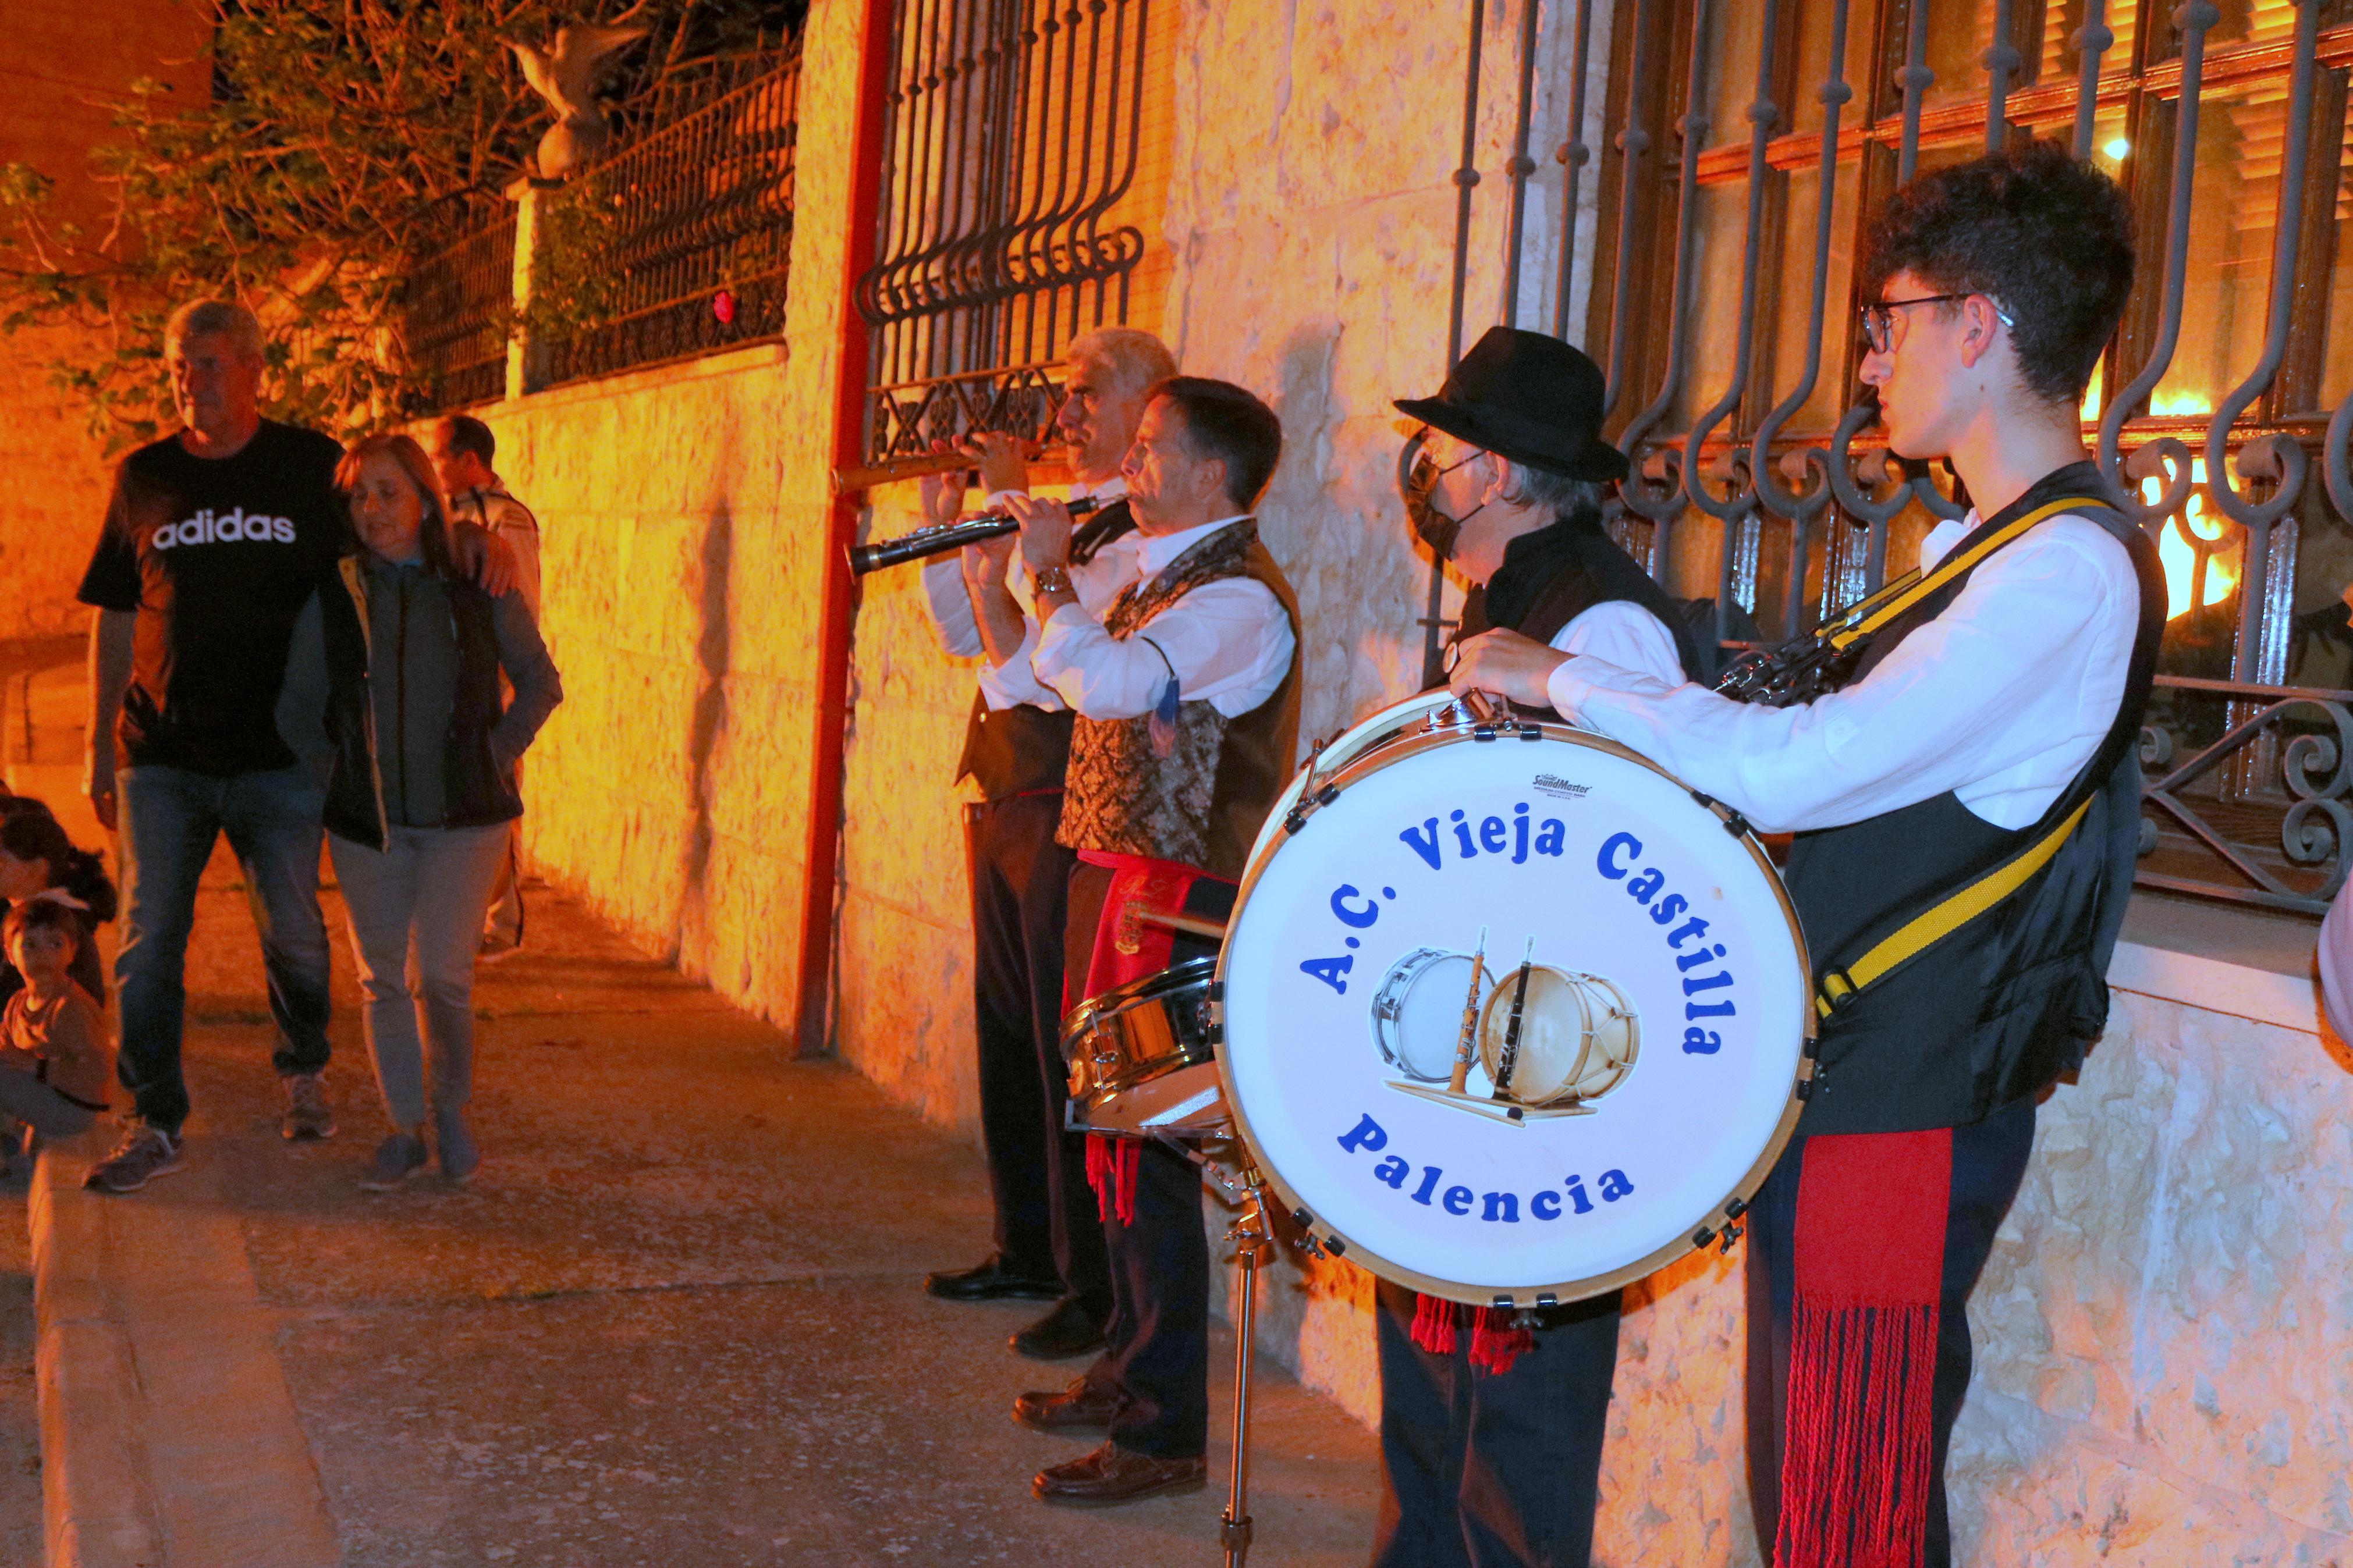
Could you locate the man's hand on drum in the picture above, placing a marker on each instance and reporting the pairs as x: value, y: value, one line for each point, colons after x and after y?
x: 1505, y: 664
x: 1045, y: 530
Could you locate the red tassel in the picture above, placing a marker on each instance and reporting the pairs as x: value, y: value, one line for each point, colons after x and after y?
x: 1870, y: 1247
x: 1113, y: 1166
x: 1854, y: 1468
x: 1433, y: 1324
x: 1496, y: 1340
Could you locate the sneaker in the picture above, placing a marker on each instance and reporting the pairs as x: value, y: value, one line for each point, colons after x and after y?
x: 496, y: 948
x: 308, y: 1115
x: 144, y: 1153
x: 398, y: 1158
x: 459, y: 1156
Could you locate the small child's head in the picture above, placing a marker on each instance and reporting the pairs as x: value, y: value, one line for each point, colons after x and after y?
x: 42, y: 937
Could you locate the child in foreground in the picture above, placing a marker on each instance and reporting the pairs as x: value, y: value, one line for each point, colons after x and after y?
x: 54, y: 1063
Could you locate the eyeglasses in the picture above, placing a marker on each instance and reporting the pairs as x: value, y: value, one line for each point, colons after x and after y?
x: 1879, y: 320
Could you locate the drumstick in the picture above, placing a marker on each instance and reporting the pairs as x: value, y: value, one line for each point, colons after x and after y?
x: 1468, y: 1036
x: 1214, y: 931
x: 1509, y: 1057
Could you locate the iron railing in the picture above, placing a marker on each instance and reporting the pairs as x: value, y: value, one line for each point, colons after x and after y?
x: 1749, y: 487
x: 676, y: 245
x: 458, y: 312
x: 1014, y: 130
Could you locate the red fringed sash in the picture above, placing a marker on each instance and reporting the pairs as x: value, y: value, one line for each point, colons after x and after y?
x: 1129, y: 948
x: 1496, y: 1340
x: 1870, y: 1262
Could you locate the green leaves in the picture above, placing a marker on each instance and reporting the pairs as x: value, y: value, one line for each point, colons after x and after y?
x: 345, y: 141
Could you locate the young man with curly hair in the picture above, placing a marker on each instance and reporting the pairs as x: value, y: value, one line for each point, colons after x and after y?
x: 1978, y: 738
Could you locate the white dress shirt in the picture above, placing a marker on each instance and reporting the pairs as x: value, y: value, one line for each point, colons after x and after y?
x: 1228, y: 643
x: 1622, y: 633
x: 1097, y: 582
x: 2001, y: 699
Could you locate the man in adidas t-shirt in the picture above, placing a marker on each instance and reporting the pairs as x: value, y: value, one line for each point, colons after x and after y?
x: 213, y: 540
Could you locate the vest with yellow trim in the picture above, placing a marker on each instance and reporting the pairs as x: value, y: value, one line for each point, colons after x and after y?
x: 1025, y: 750
x: 1951, y: 992
x: 1202, y: 802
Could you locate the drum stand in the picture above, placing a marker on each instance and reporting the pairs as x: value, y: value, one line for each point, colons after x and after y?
x: 1249, y: 1231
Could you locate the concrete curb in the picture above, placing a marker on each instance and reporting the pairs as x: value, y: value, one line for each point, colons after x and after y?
x: 168, y: 1437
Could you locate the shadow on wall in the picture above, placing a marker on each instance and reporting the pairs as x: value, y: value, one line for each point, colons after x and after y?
x: 713, y: 652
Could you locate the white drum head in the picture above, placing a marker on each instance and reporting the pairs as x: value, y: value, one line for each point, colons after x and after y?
x: 1630, y: 888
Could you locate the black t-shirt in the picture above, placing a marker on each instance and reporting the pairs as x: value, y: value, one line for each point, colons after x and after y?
x: 217, y: 555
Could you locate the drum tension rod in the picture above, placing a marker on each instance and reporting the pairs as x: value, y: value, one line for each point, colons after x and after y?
x: 1734, y: 823
x: 1296, y: 817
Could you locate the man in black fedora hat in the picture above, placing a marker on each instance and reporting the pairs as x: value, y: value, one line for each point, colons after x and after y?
x: 1491, y: 1422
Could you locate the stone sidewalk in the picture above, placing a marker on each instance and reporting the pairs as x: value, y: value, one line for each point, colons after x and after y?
x: 676, y: 1321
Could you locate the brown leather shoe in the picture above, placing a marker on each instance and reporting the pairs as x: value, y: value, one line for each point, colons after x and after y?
x: 1112, y: 1475
x: 1078, y: 1408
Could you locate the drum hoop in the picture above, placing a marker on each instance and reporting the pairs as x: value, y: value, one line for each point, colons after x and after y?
x: 1708, y: 1225
x: 1161, y: 1066
x: 1147, y: 987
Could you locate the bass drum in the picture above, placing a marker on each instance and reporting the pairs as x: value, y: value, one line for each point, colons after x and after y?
x: 1643, y: 917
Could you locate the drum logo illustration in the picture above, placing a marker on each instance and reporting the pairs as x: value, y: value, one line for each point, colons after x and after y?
x: 1536, y: 1042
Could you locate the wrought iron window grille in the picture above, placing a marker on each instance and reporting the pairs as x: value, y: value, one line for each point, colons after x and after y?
x: 1014, y: 132
x: 1747, y: 494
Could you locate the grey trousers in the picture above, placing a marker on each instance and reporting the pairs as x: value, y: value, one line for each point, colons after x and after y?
x: 42, y: 1108
x: 505, y: 925
x: 416, y: 917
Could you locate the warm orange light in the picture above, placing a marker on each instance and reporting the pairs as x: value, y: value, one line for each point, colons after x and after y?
x: 2179, y: 555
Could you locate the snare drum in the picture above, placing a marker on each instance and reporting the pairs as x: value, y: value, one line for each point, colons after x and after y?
x: 1663, y: 1039
x: 1142, y: 1056
x: 1417, y: 1011
x: 1576, y: 1038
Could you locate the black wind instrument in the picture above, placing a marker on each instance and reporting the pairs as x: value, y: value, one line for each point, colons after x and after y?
x: 940, y: 536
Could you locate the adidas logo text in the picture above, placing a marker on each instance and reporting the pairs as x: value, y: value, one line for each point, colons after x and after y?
x: 206, y: 529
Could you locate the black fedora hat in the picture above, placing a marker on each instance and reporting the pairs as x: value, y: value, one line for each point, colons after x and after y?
x: 1528, y: 397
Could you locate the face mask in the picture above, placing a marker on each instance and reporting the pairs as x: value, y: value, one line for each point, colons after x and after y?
x: 1419, y: 476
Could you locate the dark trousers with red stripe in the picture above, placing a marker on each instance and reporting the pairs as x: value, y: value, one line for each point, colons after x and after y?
x: 1492, y: 1470
x: 1157, y: 1346
x: 1988, y: 1163
x: 1046, y: 1221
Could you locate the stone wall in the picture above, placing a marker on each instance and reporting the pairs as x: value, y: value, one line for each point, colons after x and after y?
x: 671, y: 786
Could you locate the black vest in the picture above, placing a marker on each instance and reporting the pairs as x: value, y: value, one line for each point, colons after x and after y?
x: 1024, y: 749
x: 1555, y: 574
x: 477, y: 791
x: 1998, y: 1011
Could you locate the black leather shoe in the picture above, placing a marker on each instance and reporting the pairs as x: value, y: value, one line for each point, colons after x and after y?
x: 1112, y: 1475
x: 1082, y: 1408
x: 990, y: 1281
x: 1068, y: 1329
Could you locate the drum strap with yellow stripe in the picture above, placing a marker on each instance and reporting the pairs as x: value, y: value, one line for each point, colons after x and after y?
x: 1976, y: 895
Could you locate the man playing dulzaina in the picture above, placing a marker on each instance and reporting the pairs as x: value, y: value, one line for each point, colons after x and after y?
x: 1975, y: 727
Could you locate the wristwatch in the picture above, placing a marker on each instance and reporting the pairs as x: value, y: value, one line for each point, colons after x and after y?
x: 1052, y: 580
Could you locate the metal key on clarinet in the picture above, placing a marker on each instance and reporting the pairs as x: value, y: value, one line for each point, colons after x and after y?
x: 940, y: 536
